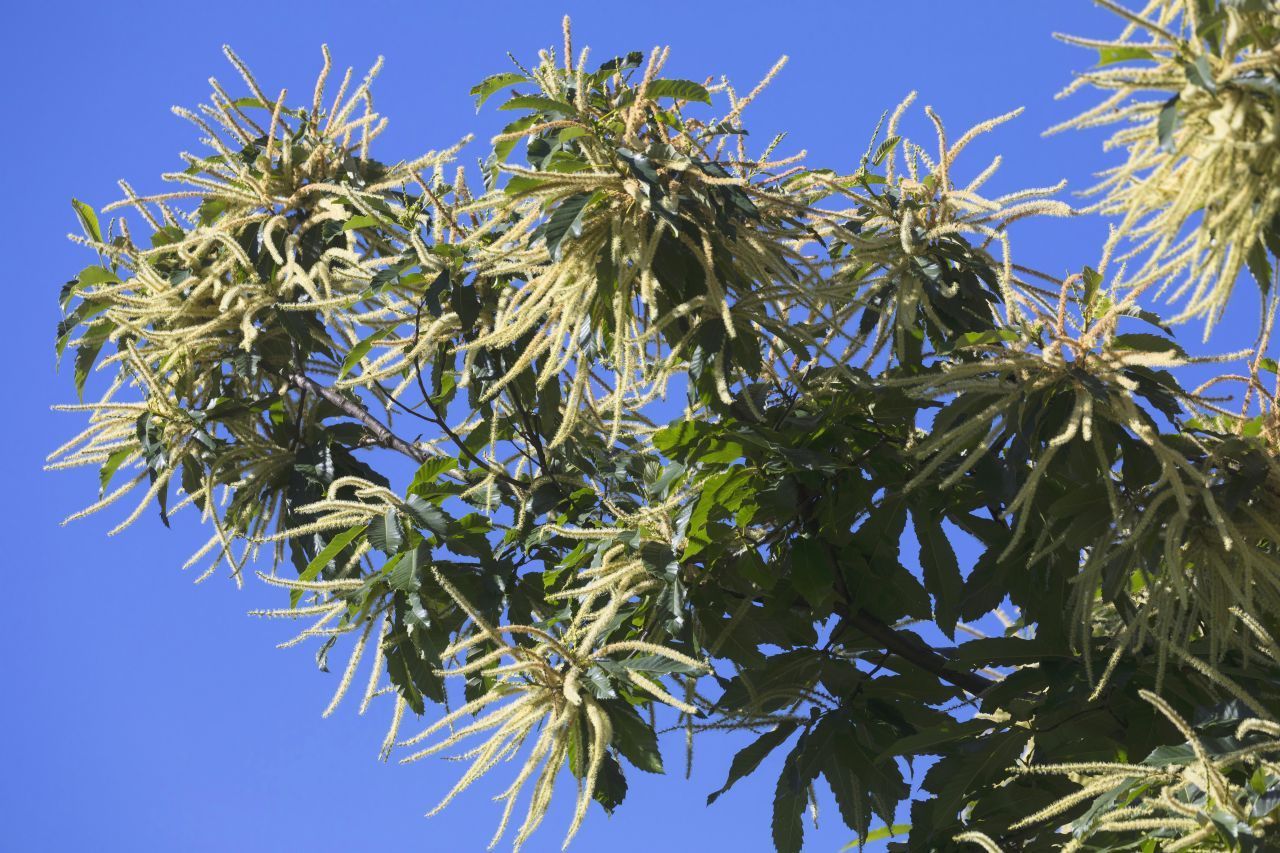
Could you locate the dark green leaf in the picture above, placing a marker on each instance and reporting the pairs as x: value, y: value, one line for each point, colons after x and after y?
x: 789, y: 801
x: 749, y: 757
x: 326, y: 556
x: 1260, y: 267
x: 384, y: 533
x: 565, y: 221
x: 1167, y: 123
x: 633, y: 737
x: 812, y: 571
x: 941, y: 570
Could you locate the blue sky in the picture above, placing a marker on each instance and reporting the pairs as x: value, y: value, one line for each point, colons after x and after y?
x: 144, y: 713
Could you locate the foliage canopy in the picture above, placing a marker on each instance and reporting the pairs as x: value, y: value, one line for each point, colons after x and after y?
x: 682, y: 403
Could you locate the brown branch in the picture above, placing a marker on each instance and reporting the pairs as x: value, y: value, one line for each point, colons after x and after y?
x: 906, y: 646
x: 384, y: 436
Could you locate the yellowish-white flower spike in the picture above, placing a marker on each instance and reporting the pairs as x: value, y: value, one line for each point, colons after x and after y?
x: 1201, y: 175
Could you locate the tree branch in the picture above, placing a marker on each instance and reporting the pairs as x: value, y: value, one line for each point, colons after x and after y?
x: 379, y: 430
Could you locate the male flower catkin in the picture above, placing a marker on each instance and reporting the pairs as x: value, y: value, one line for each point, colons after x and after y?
x: 1198, y: 195
x: 259, y: 238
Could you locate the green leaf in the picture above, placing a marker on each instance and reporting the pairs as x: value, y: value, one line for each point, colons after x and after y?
x: 681, y: 90
x: 539, y: 103
x: 88, y: 220
x: 518, y: 185
x: 880, y: 834
x: 611, y: 784
x: 941, y: 570
x: 1167, y: 123
x: 884, y: 149
x: 925, y: 741
x: 256, y: 103
x: 725, y: 492
x: 384, y: 533
x: 1009, y: 651
x: 850, y: 797
x: 633, y: 737
x: 749, y: 757
x: 326, y: 556
x: 1260, y: 266
x: 1092, y: 284
x: 360, y: 220
x: 496, y: 83
x: 360, y: 350
x: 882, y: 779
x: 87, y: 352
x: 812, y: 571
x: 501, y: 150
x: 428, y: 473
x: 958, y: 777
x: 1200, y: 74
x: 1144, y: 342
x: 565, y: 221
x: 109, y: 468
x: 96, y: 275
x: 1113, y: 55
x: 988, y: 338
x: 789, y: 800
x: 427, y: 515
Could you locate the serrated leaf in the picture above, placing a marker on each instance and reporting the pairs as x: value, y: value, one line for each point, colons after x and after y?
x: 504, y: 147
x: 812, y: 571
x: 884, y: 149
x: 681, y: 90
x: 88, y: 220
x: 385, y: 534
x: 941, y: 570
x: 1144, y: 342
x: 634, y: 738
x: 747, y: 759
x: 87, y: 353
x: 427, y: 515
x: 988, y: 338
x: 565, y: 221
x: 326, y: 556
x: 96, y: 275
x: 109, y: 468
x: 1008, y: 651
x: 493, y: 84
x: 322, y: 654
x: 540, y: 103
x: 611, y: 784
x: 924, y: 742
x: 850, y: 798
x: 429, y: 473
x: 789, y: 799
x: 360, y: 350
